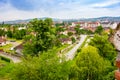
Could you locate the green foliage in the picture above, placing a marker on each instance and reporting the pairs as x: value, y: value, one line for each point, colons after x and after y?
x: 5, y: 69
x: 28, y: 48
x: 73, y: 40
x: 60, y: 29
x: 89, y: 65
x: 28, y: 37
x: 44, y: 38
x: 9, y: 33
x: 107, y: 51
x: 83, y: 31
x: 5, y: 58
x: 19, y: 34
x: 104, y: 47
x: 70, y: 33
x: 45, y: 67
x: 2, y: 32
x: 110, y: 76
x: 77, y: 28
x: 63, y: 36
x: 99, y: 30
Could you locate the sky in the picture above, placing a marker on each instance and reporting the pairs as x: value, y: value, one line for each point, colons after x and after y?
x: 62, y: 9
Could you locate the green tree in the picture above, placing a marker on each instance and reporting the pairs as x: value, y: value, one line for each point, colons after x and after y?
x: 73, y: 40
x: 2, y: 32
x: 77, y: 29
x: 9, y: 33
x: 45, y: 35
x: 19, y: 34
x: 89, y: 65
x: 45, y: 67
x: 70, y: 33
x: 99, y: 30
x: 60, y: 29
x: 104, y: 47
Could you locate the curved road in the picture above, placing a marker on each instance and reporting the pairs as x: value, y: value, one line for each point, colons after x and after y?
x: 70, y: 55
x: 11, y: 57
x: 15, y: 59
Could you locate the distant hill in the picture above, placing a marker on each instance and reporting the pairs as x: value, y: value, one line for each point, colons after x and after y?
x: 117, y: 19
x: 106, y: 18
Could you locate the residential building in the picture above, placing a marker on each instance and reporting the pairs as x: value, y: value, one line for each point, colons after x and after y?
x: 2, y: 41
x: 66, y: 41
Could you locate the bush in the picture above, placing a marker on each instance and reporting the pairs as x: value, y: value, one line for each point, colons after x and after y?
x: 5, y: 59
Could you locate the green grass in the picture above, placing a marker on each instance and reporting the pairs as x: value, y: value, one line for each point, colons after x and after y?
x: 6, y: 47
x: 19, y: 41
x: 11, y: 39
x: 56, y: 50
x: 5, y: 59
x: 5, y: 69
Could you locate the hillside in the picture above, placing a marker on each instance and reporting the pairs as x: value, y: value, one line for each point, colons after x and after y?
x: 117, y: 19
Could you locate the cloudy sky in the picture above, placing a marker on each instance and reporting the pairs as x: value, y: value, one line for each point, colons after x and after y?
x: 63, y: 9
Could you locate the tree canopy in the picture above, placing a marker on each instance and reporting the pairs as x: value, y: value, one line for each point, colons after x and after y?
x: 44, y: 38
x: 104, y: 47
x: 44, y: 67
x: 99, y: 30
x: 89, y: 65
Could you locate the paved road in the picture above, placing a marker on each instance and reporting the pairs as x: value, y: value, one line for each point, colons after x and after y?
x: 13, y: 58
x: 70, y: 55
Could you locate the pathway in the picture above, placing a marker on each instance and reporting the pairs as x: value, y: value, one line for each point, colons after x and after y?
x: 70, y: 55
x: 15, y: 59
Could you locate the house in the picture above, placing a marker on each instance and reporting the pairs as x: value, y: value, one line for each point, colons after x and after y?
x: 2, y: 41
x: 66, y: 41
x: 112, y: 25
x: 91, y: 28
x: 116, y: 42
x: 93, y: 24
x: 82, y: 24
x: 20, y: 28
x: 105, y: 24
x: 86, y: 24
x: 71, y: 29
x: 18, y: 49
x: 64, y: 32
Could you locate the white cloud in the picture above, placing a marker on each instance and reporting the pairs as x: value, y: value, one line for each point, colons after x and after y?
x: 64, y: 11
x: 8, y: 12
x: 106, y: 3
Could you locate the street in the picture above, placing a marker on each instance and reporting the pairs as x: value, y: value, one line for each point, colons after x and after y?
x: 70, y: 55
x: 11, y: 57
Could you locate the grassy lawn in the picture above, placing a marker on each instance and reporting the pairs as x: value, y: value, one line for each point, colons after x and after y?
x: 6, y: 47
x: 57, y: 49
x: 19, y: 41
x: 5, y: 69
